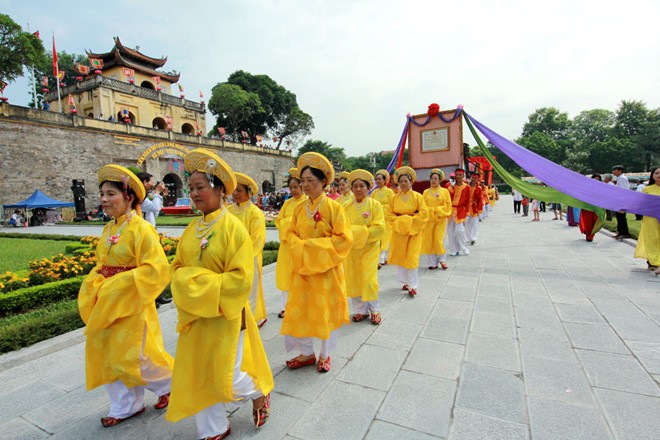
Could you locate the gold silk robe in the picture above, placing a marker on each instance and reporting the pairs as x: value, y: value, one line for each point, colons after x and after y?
x: 407, y: 214
x: 254, y: 221
x: 317, y: 303
x: 119, y: 310
x: 211, y: 288
x: 648, y: 244
x: 384, y: 195
x: 361, y: 266
x: 492, y: 195
x: 344, y: 199
x: 283, y: 269
x: 438, y: 202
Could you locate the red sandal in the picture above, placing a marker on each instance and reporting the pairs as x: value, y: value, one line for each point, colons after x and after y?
x: 323, y: 365
x: 261, y: 414
x: 443, y: 265
x: 163, y: 401
x: 108, y: 422
x: 405, y: 287
x: 358, y: 317
x: 220, y: 436
x: 375, y: 318
x: 296, y: 363
x: 412, y: 292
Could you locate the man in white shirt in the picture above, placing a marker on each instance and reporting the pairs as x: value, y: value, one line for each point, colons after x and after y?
x: 621, y: 220
x: 517, y: 201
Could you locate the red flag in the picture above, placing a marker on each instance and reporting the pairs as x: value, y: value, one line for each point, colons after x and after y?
x: 71, y: 101
x: 44, y: 81
x: 201, y: 95
x: 222, y: 131
x: 56, y: 67
x: 37, y: 34
x: 128, y: 72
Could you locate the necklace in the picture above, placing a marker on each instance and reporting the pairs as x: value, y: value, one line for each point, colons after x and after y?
x: 311, y: 214
x: 202, y: 228
x: 238, y: 209
x: 113, y: 239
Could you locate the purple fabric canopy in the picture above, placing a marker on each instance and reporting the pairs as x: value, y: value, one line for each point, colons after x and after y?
x: 574, y: 184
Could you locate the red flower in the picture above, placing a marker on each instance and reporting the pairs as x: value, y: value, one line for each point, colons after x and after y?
x: 434, y: 109
x: 317, y: 216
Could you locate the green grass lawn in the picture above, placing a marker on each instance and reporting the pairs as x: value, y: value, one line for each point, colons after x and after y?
x: 633, y: 225
x: 17, y: 253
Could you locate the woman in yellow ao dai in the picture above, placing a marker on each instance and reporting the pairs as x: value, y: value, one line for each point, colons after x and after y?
x: 384, y: 195
x: 319, y: 240
x: 407, y: 215
x: 124, y: 348
x: 254, y: 221
x: 361, y: 266
x: 220, y: 356
x: 648, y: 244
x: 345, y: 194
x: 438, y: 201
x: 283, y: 269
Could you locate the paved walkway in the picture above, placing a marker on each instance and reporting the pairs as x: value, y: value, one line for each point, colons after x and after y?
x: 537, y: 334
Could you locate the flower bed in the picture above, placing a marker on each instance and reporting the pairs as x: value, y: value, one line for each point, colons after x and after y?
x: 29, y: 298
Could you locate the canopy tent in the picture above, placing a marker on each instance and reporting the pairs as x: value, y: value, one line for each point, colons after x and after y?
x: 38, y: 200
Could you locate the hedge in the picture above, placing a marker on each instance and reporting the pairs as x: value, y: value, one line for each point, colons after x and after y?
x: 40, y: 236
x: 272, y: 246
x: 23, y: 330
x: 71, y: 248
x: 22, y: 300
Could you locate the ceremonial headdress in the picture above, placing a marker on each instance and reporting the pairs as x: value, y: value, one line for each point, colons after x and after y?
x: 206, y: 161
x: 117, y: 173
x: 344, y: 175
x: 439, y: 172
x: 364, y: 175
x: 404, y: 171
x: 385, y: 174
x: 318, y: 161
x: 295, y: 173
x: 248, y: 181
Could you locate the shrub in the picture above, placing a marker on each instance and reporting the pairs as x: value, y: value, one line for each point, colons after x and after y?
x: 40, y: 236
x: 29, y: 298
x: 60, y: 267
x: 270, y: 257
x: 272, y: 246
x: 22, y: 330
x: 70, y: 249
x: 11, y: 281
x: 169, y: 244
x: 90, y: 240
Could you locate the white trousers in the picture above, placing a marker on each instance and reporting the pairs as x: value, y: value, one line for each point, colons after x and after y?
x: 285, y: 296
x: 382, y: 257
x: 434, y: 260
x: 306, y: 345
x: 213, y: 420
x: 456, y: 237
x: 364, y: 307
x: 471, y: 225
x: 124, y: 401
x: 407, y: 276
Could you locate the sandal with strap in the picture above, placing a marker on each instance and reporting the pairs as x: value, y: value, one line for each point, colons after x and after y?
x: 281, y: 314
x: 295, y: 363
x: 443, y: 265
x: 220, y: 436
x: 323, y: 365
x: 261, y: 414
x: 262, y: 323
x: 412, y: 292
x: 405, y: 287
x: 358, y: 317
x: 163, y: 401
x: 108, y: 422
x: 375, y: 318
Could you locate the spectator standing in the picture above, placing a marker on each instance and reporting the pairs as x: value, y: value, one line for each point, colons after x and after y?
x: 525, y: 206
x: 621, y: 219
x: 517, y: 201
x: 607, y: 178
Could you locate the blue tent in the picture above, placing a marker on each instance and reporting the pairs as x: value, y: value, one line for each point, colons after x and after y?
x: 38, y: 200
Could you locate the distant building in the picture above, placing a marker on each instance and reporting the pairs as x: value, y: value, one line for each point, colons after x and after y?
x: 131, y: 89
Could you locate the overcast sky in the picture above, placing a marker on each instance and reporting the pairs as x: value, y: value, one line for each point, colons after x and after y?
x: 358, y: 67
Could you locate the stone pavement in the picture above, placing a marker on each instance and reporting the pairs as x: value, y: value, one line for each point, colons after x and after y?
x: 537, y: 334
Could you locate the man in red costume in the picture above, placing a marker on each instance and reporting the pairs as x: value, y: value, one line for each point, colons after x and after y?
x: 476, y: 207
x: 460, y: 202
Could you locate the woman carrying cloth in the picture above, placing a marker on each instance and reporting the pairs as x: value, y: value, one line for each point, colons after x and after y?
x: 254, y: 221
x: 124, y: 348
x: 368, y: 226
x: 345, y: 194
x: 407, y: 215
x: 283, y: 269
x: 438, y: 201
x: 648, y: 244
x: 384, y: 195
x: 220, y: 354
x: 319, y: 240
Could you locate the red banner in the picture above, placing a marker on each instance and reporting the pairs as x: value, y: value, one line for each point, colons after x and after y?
x: 55, y: 59
x: 2, y: 86
x: 96, y: 63
x: 82, y: 69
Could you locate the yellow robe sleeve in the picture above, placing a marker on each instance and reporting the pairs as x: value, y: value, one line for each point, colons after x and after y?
x: 257, y: 230
x: 126, y: 293
x: 365, y: 234
x: 411, y: 224
x: 283, y: 220
x: 317, y: 255
x: 445, y: 208
x: 209, y: 294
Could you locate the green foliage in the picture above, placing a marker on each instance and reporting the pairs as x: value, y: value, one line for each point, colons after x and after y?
x: 49, y: 237
x: 336, y: 155
x: 71, y: 249
x: 549, y: 121
x: 233, y: 106
x: 16, y: 253
x: 23, y: 330
x: 17, y: 49
x: 272, y: 245
x: 269, y: 257
x: 29, y: 298
x: 544, y: 145
x: 66, y: 63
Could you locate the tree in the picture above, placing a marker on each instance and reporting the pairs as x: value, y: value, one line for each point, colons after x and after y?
x: 544, y: 145
x: 592, y: 126
x: 547, y: 120
x: 336, y: 155
x: 17, y: 49
x: 233, y: 106
x: 296, y: 124
x: 648, y: 139
x: 66, y: 63
x: 614, y: 151
x: 630, y: 117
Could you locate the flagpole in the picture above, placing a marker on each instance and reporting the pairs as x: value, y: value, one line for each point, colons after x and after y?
x: 34, y: 83
x: 57, y: 77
